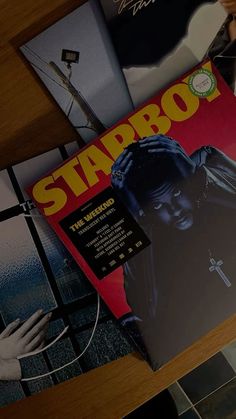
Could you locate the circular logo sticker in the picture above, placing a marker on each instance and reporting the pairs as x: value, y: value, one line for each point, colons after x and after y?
x: 202, y: 83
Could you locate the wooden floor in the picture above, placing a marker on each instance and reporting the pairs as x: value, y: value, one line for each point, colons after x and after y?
x: 30, y: 124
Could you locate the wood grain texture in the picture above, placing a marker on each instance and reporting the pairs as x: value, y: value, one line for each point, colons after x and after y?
x: 32, y: 123
x: 114, y: 390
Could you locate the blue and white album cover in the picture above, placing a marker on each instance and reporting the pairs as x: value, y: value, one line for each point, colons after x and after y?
x: 45, y: 299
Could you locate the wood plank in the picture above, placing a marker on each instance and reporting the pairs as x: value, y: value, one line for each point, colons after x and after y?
x: 114, y: 390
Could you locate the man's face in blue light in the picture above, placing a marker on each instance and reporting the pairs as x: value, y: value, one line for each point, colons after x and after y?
x: 171, y: 205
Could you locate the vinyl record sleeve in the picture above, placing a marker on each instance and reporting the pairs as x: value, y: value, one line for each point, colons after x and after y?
x: 148, y: 212
x: 38, y: 273
x: 75, y: 60
x: 157, y: 40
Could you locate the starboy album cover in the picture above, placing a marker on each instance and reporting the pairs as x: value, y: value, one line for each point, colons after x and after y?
x: 168, y: 272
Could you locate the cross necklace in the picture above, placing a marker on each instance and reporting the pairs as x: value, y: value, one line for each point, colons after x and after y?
x: 216, y: 267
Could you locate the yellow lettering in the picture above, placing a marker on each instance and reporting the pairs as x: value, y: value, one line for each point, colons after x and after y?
x: 171, y: 107
x: 77, y: 225
x: 71, y: 177
x: 55, y: 196
x: 117, y: 139
x: 148, y: 121
x: 92, y: 160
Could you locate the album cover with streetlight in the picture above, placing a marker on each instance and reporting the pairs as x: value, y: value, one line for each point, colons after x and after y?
x: 147, y: 210
x: 75, y: 60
